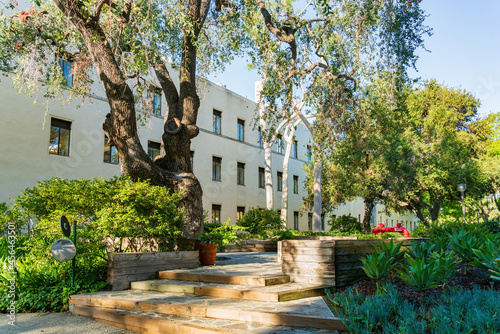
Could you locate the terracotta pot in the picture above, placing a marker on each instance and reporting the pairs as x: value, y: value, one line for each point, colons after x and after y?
x: 207, y: 254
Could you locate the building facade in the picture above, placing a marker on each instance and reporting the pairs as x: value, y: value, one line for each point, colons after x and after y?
x: 66, y: 140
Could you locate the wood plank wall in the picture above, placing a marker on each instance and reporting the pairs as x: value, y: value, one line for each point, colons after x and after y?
x: 124, y: 268
x: 335, y: 261
x: 252, y: 245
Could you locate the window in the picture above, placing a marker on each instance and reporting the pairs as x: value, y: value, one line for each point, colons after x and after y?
x: 59, y: 137
x: 110, y: 153
x: 322, y: 222
x: 359, y: 219
x: 241, y: 130
x: 261, y: 143
x: 240, y: 211
x: 279, y: 185
x: 156, y: 101
x: 294, y: 149
x: 308, y: 153
x: 66, y: 71
x: 262, y: 178
x: 216, y: 213
x: 240, y: 174
x: 310, y: 221
x: 153, y: 149
x: 295, y: 220
x: 217, y: 122
x: 295, y: 184
x: 216, y: 168
x: 192, y: 159
x: 279, y: 144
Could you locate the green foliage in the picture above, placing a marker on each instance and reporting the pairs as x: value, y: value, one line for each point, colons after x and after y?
x: 455, y: 311
x: 345, y: 223
x: 380, y: 313
x: 377, y: 266
x: 261, y: 221
x: 391, y: 250
x: 424, y: 274
x: 220, y: 234
x: 464, y: 243
x: 440, y: 229
x: 136, y: 213
x: 488, y: 256
x: 421, y: 250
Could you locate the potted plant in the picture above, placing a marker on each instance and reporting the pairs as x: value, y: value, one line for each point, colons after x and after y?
x: 215, y: 237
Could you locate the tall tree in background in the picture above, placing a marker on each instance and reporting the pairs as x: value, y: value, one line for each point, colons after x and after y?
x: 434, y: 148
x: 126, y: 44
x: 314, y: 56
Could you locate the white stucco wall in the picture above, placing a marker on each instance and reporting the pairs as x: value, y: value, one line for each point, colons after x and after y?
x: 25, y: 160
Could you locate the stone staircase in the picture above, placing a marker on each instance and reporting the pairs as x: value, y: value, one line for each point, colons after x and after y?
x: 197, y: 301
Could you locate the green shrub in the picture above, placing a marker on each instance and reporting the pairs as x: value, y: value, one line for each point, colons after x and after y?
x: 143, y: 215
x: 261, y: 221
x: 345, y: 223
x: 220, y: 234
x: 377, y: 266
x: 463, y: 243
x: 421, y: 250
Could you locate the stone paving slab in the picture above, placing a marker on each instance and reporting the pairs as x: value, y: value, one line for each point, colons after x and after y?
x: 242, y: 264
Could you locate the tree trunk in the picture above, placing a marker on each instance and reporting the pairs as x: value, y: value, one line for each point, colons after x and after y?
x: 288, y: 136
x: 369, y: 205
x: 317, y: 196
x: 268, y: 176
x: 173, y: 169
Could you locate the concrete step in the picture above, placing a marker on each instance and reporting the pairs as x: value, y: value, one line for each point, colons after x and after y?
x: 272, y: 293
x: 311, y: 315
x: 224, y: 279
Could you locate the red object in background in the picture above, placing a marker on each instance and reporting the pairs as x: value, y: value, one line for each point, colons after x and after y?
x: 398, y: 229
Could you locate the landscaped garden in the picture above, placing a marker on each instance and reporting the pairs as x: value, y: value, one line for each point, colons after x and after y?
x: 448, y: 284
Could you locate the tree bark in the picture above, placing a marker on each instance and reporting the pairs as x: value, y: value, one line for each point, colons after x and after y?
x: 317, y: 195
x: 369, y: 205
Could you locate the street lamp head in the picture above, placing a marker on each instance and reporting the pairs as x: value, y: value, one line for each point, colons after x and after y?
x: 462, y: 187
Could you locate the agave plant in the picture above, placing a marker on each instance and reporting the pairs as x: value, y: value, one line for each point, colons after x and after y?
x: 496, y: 269
x: 486, y: 255
x: 391, y: 250
x: 378, y: 267
x: 421, y: 250
x: 464, y: 243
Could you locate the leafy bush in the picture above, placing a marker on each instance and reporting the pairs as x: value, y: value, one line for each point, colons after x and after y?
x: 443, y: 228
x: 493, y: 225
x: 261, y: 221
x: 421, y: 250
x: 220, y: 234
x: 463, y: 243
x: 143, y: 215
x: 345, y: 223
x: 450, y: 312
x: 377, y: 266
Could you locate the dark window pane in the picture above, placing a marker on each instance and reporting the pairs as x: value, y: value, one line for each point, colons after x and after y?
x: 295, y: 220
x: 279, y: 182
x: 216, y: 213
x: 240, y: 174
x: 262, y: 178
x: 59, y: 137
x: 295, y: 184
x: 217, y: 122
x: 240, y: 211
x: 216, y: 168
x: 153, y: 149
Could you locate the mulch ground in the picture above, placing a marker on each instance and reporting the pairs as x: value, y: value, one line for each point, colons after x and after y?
x: 463, y: 279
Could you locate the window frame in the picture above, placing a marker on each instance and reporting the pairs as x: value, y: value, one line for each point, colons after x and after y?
x: 279, y: 181
x: 152, y: 145
x: 295, y: 150
x: 217, y: 122
x: 156, y: 94
x: 239, y: 211
x: 262, y: 178
x: 216, y: 168
x: 240, y: 130
x: 240, y: 173
x: 295, y: 184
x: 60, y: 124
x: 216, y: 213
x: 112, y: 152
x: 296, y: 220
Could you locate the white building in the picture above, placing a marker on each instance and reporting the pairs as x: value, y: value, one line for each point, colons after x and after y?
x: 66, y: 140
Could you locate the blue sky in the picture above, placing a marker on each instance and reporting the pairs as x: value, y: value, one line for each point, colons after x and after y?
x: 464, y: 52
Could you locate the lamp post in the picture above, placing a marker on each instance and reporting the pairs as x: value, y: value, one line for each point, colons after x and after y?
x: 461, y: 187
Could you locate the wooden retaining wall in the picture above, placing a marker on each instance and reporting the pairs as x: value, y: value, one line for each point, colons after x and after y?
x: 124, y: 268
x: 253, y: 245
x: 335, y: 261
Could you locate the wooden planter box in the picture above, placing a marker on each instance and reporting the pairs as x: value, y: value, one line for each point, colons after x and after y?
x: 331, y: 260
x: 124, y: 268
